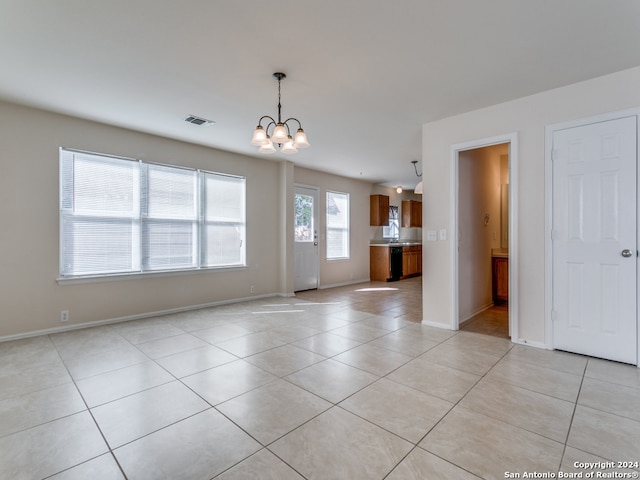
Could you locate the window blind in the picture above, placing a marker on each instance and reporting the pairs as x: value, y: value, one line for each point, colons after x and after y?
x: 125, y: 216
x: 337, y: 225
x: 169, y: 204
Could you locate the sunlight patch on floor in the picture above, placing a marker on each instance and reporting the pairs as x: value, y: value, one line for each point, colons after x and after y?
x: 376, y: 289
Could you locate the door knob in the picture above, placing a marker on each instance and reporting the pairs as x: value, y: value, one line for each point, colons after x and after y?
x: 626, y: 253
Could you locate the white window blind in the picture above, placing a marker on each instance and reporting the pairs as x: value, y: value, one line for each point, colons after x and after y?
x: 224, y: 220
x: 169, y: 218
x: 99, y: 214
x: 337, y: 225
x: 121, y: 216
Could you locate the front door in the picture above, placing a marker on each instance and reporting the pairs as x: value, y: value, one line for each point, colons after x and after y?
x: 594, y: 239
x: 305, y: 238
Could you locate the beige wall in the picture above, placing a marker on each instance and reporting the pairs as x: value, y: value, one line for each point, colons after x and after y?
x: 527, y: 117
x: 30, y: 297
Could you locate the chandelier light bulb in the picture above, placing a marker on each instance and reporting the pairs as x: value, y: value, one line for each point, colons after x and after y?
x: 259, y: 136
x: 300, y: 140
x: 279, y: 134
x: 288, y: 146
x: 267, y: 147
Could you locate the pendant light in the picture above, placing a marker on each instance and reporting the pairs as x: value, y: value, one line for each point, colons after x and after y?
x: 418, y: 189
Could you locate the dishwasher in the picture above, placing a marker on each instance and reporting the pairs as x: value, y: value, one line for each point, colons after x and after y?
x: 396, y: 263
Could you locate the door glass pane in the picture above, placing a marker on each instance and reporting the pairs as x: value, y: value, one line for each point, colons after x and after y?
x: 303, y: 218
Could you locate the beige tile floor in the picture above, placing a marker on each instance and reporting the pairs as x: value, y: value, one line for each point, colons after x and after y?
x: 493, y: 321
x: 332, y: 384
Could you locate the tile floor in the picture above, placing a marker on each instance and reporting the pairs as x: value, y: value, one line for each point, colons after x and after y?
x: 341, y: 384
x: 493, y: 321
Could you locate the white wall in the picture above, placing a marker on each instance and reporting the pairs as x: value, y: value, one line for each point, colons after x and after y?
x: 527, y: 117
x: 30, y: 297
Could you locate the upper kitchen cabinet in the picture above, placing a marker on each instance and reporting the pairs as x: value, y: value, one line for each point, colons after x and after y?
x: 379, y: 210
x: 411, y: 213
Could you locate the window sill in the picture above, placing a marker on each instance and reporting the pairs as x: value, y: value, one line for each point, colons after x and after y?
x: 140, y: 275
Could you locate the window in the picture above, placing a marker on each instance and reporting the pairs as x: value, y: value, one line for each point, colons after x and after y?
x: 120, y: 216
x: 303, y: 228
x: 337, y: 225
x: 393, y: 229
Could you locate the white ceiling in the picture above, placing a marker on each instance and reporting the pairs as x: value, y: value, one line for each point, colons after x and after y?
x: 362, y: 75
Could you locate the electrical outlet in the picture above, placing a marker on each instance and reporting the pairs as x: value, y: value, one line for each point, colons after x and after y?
x: 252, y: 289
x: 64, y: 316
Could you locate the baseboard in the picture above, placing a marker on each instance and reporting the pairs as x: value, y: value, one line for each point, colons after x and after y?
x: 108, y: 321
x: 344, y: 284
x: 529, y: 343
x: 444, y: 326
x: 475, y: 312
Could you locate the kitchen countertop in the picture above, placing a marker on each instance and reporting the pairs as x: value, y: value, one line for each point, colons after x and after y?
x: 500, y: 252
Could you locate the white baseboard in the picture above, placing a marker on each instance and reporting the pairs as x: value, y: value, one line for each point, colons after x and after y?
x: 97, y: 323
x: 475, y: 312
x: 444, y: 326
x: 344, y: 284
x: 529, y: 343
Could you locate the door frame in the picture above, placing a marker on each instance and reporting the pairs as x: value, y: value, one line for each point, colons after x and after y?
x: 512, y: 140
x: 317, y: 228
x: 548, y: 200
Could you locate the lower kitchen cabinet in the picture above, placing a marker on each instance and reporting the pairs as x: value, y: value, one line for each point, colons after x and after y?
x: 379, y: 264
x: 382, y: 266
x: 411, y: 261
x: 500, y: 284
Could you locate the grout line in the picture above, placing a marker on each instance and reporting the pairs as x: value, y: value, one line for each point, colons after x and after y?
x: 573, y: 414
x: 90, y: 412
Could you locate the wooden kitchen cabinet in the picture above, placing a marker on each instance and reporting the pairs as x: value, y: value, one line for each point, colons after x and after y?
x: 379, y: 264
x: 379, y: 210
x: 380, y: 268
x: 411, y: 261
x: 411, y: 213
x: 500, y: 282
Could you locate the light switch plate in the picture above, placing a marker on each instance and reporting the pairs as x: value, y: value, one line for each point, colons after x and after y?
x: 431, y: 235
x: 443, y: 234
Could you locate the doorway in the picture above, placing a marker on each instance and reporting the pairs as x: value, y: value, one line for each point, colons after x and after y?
x: 594, y: 237
x: 483, y: 239
x: 305, y: 242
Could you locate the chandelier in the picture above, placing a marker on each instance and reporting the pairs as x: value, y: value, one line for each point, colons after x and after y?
x: 281, y: 132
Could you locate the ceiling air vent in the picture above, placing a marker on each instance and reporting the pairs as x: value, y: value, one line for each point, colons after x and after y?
x: 199, y: 121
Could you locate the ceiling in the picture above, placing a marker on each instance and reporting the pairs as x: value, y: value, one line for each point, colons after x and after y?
x: 362, y: 75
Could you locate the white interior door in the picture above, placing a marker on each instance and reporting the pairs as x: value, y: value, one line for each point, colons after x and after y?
x: 594, y: 238
x: 305, y: 238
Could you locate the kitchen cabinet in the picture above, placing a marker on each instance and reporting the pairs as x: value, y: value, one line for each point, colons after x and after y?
x: 500, y: 281
x: 379, y: 263
x: 411, y: 261
x: 411, y: 213
x: 380, y: 269
x: 379, y: 210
